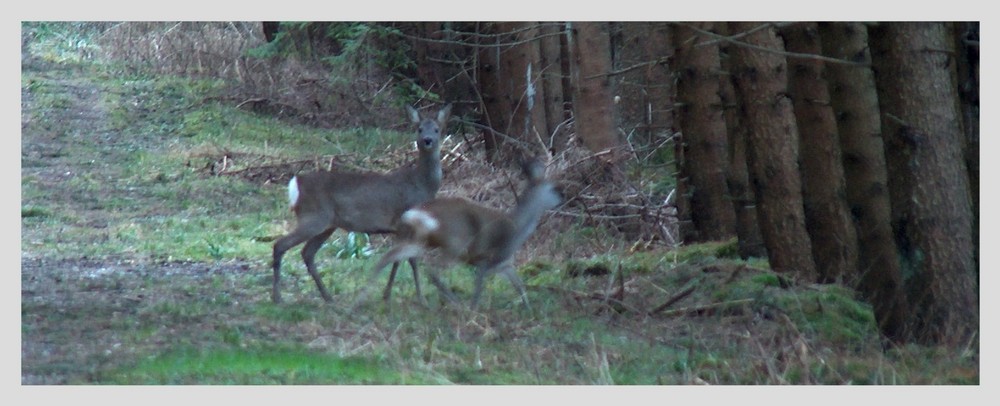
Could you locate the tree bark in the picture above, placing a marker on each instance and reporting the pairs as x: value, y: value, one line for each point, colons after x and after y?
x: 270, y: 29
x: 855, y: 104
x: 828, y: 220
x: 513, y: 95
x: 440, y: 59
x: 430, y: 73
x: 967, y: 44
x: 644, y: 82
x: 494, y: 110
x: 700, y: 118
x: 593, y: 100
x: 749, y: 241
x: 551, y: 71
x: 761, y: 83
x: 522, y: 90
x: 658, y: 100
x: 929, y: 187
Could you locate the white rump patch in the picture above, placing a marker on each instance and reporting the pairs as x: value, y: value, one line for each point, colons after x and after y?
x: 293, y: 191
x: 422, y: 221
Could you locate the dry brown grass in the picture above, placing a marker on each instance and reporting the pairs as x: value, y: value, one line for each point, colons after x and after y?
x: 300, y: 89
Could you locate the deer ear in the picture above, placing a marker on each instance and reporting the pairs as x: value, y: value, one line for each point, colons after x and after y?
x: 444, y: 114
x: 414, y: 114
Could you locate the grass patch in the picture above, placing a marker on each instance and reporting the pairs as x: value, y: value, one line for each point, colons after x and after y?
x: 34, y: 211
x: 63, y: 43
x: 833, y: 313
x: 263, y: 365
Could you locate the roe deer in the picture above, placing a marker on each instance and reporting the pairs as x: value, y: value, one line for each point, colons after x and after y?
x: 361, y: 201
x: 479, y: 236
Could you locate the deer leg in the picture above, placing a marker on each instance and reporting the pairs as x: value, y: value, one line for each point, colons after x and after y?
x: 511, y: 274
x: 309, y: 256
x: 387, y: 293
x: 396, y: 254
x: 416, y: 279
x: 481, y: 273
x: 442, y: 288
x: 307, y: 228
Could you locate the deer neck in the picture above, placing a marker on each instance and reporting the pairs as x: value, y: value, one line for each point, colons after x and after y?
x: 525, y: 217
x: 429, y: 169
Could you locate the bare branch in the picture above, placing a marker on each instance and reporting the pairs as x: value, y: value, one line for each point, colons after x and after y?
x: 496, y: 36
x: 640, y: 65
x: 731, y: 40
x: 518, y: 143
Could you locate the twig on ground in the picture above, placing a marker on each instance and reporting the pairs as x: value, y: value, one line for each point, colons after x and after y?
x: 701, y: 308
x: 676, y: 298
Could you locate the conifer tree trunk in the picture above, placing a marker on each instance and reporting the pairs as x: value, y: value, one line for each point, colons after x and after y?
x: 855, y: 103
x: 929, y: 183
x: 828, y: 220
x: 593, y: 100
x: 659, y: 88
x: 750, y: 243
x: 512, y: 92
x: 551, y: 72
x: 967, y: 44
x: 495, y: 112
x: 761, y: 85
x: 700, y: 118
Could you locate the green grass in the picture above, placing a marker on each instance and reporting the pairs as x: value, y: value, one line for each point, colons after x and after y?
x: 264, y: 365
x: 160, y: 204
x: 63, y: 43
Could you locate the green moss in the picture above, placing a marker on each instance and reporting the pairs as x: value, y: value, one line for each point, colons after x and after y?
x: 832, y: 312
x: 707, y: 251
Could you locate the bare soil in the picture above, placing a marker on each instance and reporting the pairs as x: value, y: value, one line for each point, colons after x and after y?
x: 74, y: 312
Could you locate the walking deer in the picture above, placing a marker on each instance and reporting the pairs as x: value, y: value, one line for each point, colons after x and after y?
x: 479, y: 236
x: 364, y: 202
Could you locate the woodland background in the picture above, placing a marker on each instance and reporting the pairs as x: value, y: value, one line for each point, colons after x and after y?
x: 843, y: 152
x: 839, y: 154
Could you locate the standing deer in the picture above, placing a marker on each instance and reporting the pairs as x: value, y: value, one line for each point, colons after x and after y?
x: 363, y: 202
x: 479, y: 236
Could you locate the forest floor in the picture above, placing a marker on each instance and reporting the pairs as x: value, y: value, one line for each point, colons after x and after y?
x: 138, y: 268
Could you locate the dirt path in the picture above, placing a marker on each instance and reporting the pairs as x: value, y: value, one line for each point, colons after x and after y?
x: 65, y: 137
x: 80, y: 315
x: 58, y: 339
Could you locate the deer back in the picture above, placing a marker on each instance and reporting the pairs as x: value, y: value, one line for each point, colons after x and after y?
x: 459, y: 227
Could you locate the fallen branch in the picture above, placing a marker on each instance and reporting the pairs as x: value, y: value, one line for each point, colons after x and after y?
x: 701, y: 308
x: 676, y: 298
x: 251, y: 100
x: 238, y: 172
x: 580, y: 296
